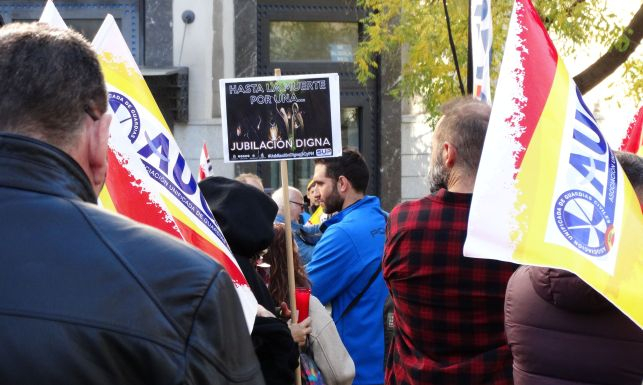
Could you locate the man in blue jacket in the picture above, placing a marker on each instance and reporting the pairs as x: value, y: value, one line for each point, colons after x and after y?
x: 346, y: 267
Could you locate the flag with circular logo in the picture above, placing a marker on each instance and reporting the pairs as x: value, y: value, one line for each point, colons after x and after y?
x: 148, y: 179
x: 549, y: 191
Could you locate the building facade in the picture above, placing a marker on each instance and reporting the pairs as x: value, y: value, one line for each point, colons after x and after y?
x: 184, y: 47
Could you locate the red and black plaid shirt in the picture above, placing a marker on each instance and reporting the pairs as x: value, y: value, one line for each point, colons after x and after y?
x: 449, y: 309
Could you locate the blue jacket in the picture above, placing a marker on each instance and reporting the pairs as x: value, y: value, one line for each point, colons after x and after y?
x: 347, y: 255
x: 305, y: 249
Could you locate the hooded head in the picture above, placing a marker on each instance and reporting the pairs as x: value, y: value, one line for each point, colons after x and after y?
x: 244, y: 213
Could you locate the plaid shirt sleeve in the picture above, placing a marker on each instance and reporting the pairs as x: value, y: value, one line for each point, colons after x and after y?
x: 448, y: 309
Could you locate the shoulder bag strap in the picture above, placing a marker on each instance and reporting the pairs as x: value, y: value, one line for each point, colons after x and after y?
x: 359, y: 296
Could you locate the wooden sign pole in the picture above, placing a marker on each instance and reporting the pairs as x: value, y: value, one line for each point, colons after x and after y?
x: 289, y: 253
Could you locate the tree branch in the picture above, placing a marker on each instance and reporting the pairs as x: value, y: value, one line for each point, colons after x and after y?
x: 606, y: 64
x: 571, y: 8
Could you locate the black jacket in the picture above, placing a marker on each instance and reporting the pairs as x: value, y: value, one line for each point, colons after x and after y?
x: 88, y: 297
x: 232, y: 204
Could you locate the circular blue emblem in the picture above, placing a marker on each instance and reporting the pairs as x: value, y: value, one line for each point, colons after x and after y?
x: 125, y: 113
x: 584, y: 222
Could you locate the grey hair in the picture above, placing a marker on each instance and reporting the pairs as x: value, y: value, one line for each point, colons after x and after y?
x: 464, y: 124
x: 278, y: 197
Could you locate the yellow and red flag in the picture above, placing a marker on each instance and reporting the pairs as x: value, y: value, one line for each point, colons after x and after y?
x: 549, y: 190
x: 205, y: 167
x: 148, y: 179
x: 633, y: 141
x: 315, y: 217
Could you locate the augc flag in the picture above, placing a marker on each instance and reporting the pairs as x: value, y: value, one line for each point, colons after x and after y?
x: 148, y: 179
x: 549, y: 191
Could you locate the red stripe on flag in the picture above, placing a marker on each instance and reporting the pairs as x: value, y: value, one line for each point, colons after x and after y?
x: 204, y: 163
x: 132, y: 201
x: 632, y: 141
x: 201, y: 173
x: 199, y: 242
x: 539, y: 59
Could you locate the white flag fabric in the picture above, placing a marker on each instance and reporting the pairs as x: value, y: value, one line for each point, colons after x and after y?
x: 51, y: 16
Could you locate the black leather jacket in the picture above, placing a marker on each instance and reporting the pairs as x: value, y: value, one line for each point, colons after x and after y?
x: 88, y: 297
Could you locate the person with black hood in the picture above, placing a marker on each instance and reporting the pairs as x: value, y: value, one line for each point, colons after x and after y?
x: 245, y: 216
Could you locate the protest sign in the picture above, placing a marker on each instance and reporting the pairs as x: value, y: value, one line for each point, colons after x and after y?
x: 280, y: 117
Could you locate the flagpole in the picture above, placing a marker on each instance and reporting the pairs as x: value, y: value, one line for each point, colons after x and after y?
x: 289, y: 253
x: 452, y: 44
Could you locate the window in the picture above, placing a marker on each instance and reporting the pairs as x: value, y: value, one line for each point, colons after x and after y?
x: 350, y: 126
x: 308, y: 37
x: 85, y: 17
x: 313, y: 41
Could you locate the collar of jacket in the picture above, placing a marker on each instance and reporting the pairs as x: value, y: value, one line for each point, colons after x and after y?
x: 453, y: 197
x: 33, y: 165
x: 294, y: 224
x: 336, y: 218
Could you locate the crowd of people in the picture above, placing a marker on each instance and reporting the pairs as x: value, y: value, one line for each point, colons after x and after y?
x: 90, y: 297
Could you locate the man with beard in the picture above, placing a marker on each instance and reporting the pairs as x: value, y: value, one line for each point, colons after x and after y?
x: 448, y: 309
x: 345, y: 270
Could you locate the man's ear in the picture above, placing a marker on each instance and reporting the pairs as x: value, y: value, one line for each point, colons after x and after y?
x: 98, y: 138
x: 449, y: 154
x: 343, y: 184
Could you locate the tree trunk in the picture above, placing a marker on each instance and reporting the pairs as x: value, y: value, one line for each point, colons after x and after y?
x: 606, y: 64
